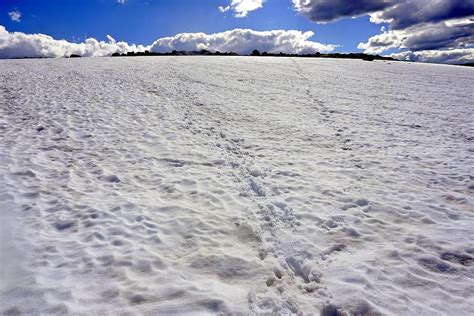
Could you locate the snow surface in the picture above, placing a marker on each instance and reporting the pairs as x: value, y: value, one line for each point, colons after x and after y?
x: 236, y: 184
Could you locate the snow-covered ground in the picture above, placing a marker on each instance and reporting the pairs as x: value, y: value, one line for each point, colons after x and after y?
x: 236, y: 184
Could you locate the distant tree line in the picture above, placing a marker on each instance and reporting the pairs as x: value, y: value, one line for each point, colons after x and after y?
x: 362, y: 56
x: 256, y: 53
x: 176, y: 53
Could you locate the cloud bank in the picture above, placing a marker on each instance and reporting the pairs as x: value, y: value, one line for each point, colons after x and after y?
x: 406, y: 13
x: 241, y: 8
x: 457, y: 33
x: 416, y: 27
x: 241, y: 41
x: 452, y: 56
x: 20, y: 45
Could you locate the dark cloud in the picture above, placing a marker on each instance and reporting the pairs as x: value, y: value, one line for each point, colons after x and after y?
x: 399, y: 13
x: 457, y: 33
x: 412, y: 12
x: 330, y: 10
x: 414, y: 25
x: 439, y: 36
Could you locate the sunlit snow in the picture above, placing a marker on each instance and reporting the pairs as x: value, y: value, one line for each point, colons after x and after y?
x: 236, y: 184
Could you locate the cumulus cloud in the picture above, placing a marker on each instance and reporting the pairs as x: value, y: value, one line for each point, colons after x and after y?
x: 243, y: 41
x: 452, y: 56
x: 241, y: 8
x: 15, y: 16
x: 412, y: 12
x: 413, y: 25
x: 424, y: 25
x: 330, y: 10
x: 121, y: 1
x: 399, y: 13
x: 456, y: 33
x: 19, y: 45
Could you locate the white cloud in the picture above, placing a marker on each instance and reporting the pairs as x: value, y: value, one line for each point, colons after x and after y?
x: 15, y: 15
x: 224, y: 9
x: 242, y: 7
x: 243, y: 41
x: 121, y: 1
x: 19, y: 45
x: 382, y: 42
x: 451, y: 56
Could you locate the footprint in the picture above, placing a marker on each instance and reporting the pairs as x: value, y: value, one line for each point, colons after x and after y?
x: 457, y: 258
x: 435, y: 265
x: 63, y: 224
x: 110, y: 178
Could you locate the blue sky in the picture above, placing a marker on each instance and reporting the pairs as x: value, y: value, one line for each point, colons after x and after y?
x: 439, y: 31
x: 140, y: 21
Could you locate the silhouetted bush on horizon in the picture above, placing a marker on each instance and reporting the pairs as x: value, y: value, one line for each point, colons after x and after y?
x: 257, y: 53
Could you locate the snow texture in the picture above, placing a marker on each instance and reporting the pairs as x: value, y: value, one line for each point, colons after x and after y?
x: 188, y: 185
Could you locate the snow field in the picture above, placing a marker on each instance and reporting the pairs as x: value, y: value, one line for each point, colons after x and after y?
x: 236, y: 184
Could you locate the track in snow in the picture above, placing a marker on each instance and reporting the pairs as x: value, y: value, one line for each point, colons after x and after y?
x: 193, y: 184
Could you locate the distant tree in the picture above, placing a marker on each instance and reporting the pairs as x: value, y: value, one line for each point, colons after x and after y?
x: 368, y: 57
x: 204, y: 52
x: 255, y: 53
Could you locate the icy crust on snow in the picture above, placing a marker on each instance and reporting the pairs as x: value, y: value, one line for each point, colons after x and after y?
x: 217, y: 185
